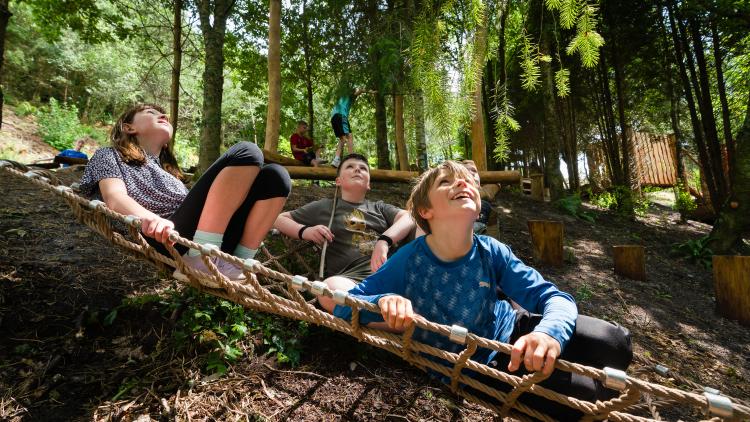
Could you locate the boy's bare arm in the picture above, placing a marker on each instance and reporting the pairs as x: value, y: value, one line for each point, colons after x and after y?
x: 402, y: 225
x: 286, y: 225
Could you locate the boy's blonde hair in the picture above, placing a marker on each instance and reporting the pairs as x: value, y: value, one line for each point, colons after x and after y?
x: 419, y: 198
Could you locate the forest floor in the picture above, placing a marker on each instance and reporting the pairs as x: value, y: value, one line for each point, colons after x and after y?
x: 61, y: 358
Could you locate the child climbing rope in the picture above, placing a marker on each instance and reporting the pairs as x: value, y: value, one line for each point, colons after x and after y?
x: 340, y: 122
x: 233, y: 205
x: 450, y: 276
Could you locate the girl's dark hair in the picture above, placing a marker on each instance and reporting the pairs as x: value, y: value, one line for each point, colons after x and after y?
x: 127, y: 144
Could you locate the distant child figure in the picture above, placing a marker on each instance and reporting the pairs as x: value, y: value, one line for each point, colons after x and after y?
x: 303, y: 148
x: 340, y: 123
x: 450, y: 275
x: 480, y: 226
x: 74, y: 152
x: 233, y: 205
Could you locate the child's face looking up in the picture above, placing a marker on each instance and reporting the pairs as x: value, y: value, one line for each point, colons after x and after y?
x: 453, y: 197
x: 151, y: 125
x: 473, y: 170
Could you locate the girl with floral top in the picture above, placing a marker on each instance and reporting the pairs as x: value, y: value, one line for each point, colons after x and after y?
x: 233, y: 205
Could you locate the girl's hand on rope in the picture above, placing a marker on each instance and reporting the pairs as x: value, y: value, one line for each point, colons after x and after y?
x: 397, y: 312
x: 379, y: 255
x: 318, y: 234
x: 538, y: 350
x: 157, y: 227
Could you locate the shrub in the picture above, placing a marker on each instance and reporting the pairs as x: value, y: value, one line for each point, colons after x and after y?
x: 683, y: 201
x: 621, y: 199
x: 25, y: 108
x: 606, y: 200
x: 220, y: 331
x: 572, y: 205
x: 696, y: 250
x: 59, y: 125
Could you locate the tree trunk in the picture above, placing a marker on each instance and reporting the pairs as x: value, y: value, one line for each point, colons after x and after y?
x: 487, y: 106
x: 734, y: 219
x: 694, y: 119
x: 174, y: 95
x: 707, y: 114
x: 398, y: 111
x: 674, y: 120
x: 552, y: 134
x: 273, y: 116
x: 4, y: 18
x: 478, y: 140
x: 307, y: 54
x: 618, y: 178
x: 213, y: 77
x: 727, y: 126
x: 674, y: 101
x: 624, y: 139
x: 419, y: 131
x: 381, y: 132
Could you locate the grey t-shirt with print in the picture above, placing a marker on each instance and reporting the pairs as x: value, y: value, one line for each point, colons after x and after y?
x: 356, y: 228
x: 149, y: 184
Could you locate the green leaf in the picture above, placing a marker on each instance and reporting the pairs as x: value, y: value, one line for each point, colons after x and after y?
x: 553, y: 5
x: 562, y: 82
x: 568, y: 13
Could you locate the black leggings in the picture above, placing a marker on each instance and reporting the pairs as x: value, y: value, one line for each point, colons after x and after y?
x: 272, y: 182
x: 595, y: 342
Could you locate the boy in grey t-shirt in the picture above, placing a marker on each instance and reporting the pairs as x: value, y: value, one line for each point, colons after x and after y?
x: 362, y: 231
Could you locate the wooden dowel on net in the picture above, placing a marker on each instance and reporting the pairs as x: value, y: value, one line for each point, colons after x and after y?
x: 732, y: 287
x: 630, y: 261
x: 547, y: 241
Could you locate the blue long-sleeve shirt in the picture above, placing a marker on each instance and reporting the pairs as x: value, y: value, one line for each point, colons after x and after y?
x: 463, y: 292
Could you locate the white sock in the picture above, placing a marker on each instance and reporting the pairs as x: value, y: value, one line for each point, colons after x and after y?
x: 203, y: 238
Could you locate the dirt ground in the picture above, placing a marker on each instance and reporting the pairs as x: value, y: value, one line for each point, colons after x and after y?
x: 60, y: 361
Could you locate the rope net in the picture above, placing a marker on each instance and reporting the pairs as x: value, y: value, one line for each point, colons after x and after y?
x: 275, y: 290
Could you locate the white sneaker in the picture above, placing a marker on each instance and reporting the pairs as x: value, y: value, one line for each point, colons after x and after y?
x: 228, y: 269
x: 336, y: 161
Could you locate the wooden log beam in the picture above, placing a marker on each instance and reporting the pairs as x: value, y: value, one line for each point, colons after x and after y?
x: 376, y: 175
x: 275, y: 157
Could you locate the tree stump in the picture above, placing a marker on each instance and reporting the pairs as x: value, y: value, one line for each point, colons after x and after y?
x: 547, y: 241
x: 630, y: 261
x: 533, y: 186
x: 732, y: 287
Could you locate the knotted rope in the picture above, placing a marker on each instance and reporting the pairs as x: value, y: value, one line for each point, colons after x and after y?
x: 278, y: 292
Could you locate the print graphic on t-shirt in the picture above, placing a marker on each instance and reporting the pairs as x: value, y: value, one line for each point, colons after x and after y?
x: 363, y: 238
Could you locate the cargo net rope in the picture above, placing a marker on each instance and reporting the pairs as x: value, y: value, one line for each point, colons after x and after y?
x: 279, y: 292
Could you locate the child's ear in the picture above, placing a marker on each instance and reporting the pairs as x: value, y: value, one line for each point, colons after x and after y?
x: 425, y: 213
x: 338, y: 181
x: 128, y: 128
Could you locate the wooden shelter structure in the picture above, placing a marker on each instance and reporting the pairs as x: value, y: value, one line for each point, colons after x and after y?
x: 653, y: 160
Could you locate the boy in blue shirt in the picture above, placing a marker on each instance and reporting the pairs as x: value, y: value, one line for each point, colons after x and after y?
x: 450, y: 277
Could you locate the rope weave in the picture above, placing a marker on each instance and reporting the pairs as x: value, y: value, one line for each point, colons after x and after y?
x: 286, y: 300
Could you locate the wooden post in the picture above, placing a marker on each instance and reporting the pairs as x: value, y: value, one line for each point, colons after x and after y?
x: 547, y: 241
x: 732, y: 287
x: 533, y: 186
x: 630, y: 261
